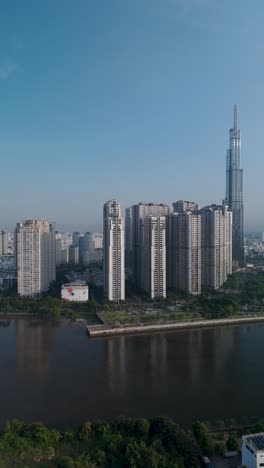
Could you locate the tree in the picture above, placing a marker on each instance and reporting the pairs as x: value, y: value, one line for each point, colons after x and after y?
x: 232, y: 442
x: 85, y: 430
x: 259, y: 426
x: 65, y: 462
x: 141, y: 427
x: 202, y: 435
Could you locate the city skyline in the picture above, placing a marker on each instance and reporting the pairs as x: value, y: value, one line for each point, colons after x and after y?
x: 91, y: 91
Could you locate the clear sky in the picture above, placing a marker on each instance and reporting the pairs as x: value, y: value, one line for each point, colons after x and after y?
x: 130, y: 99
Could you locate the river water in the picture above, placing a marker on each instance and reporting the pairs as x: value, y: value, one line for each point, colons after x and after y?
x: 57, y: 374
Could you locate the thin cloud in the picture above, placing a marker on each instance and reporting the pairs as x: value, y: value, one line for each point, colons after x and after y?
x: 7, y: 68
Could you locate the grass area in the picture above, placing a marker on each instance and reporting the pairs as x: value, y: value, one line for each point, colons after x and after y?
x: 122, y: 317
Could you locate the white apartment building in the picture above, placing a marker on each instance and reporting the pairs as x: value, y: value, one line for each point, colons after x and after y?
x: 216, y: 245
x: 114, y: 252
x: 35, y: 256
x: 253, y: 450
x: 184, y: 251
x: 154, y: 256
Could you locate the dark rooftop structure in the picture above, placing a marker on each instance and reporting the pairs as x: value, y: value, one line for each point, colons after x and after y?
x: 256, y: 440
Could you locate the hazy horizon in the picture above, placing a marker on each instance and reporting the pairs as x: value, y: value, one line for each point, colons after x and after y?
x: 129, y: 100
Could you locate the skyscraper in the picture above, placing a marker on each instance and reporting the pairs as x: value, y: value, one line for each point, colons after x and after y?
x: 128, y: 237
x: 114, y: 252
x: 216, y: 245
x: 184, y: 251
x: 139, y: 212
x: 234, y: 193
x: 153, y: 278
x: 35, y: 256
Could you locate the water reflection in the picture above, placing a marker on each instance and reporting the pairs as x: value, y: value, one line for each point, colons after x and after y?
x: 35, y: 342
x: 5, y: 323
x: 116, y: 364
x: 61, y: 376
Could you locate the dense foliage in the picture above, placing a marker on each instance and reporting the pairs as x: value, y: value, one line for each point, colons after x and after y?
x: 124, y: 442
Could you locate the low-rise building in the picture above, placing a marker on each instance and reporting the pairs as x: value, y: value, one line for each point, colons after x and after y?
x: 253, y: 450
x: 75, y: 292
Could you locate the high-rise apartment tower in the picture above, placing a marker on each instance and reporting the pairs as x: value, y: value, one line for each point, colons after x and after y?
x: 114, y: 252
x: 35, y: 256
x: 153, y: 277
x: 139, y: 212
x: 184, y: 251
x: 216, y: 245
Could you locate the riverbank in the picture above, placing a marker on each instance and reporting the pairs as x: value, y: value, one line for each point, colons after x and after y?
x: 104, y: 330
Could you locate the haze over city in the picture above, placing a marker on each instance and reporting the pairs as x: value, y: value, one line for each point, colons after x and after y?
x: 126, y: 99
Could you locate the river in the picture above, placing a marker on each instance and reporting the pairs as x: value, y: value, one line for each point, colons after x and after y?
x: 55, y: 373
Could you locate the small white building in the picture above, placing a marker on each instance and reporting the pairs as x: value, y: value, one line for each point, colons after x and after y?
x: 75, y: 292
x: 253, y: 450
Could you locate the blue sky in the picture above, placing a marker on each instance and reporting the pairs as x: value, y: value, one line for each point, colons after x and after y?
x: 130, y: 99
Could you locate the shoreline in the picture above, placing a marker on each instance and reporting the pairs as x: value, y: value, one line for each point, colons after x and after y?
x: 104, y: 330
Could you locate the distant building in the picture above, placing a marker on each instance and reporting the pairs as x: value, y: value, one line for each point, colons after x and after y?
x: 74, y: 254
x: 58, y: 249
x: 114, y: 252
x: 262, y: 236
x: 3, y: 243
x: 90, y: 248
x: 35, y: 256
x: 65, y: 256
x: 182, y: 205
x: 75, y: 239
x: 253, y: 450
x: 75, y: 292
x: 153, y: 278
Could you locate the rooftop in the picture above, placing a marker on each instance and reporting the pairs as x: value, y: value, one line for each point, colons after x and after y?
x: 256, y: 440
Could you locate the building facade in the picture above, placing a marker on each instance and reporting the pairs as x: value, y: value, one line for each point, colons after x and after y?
x: 234, y: 193
x: 75, y: 292
x: 65, y: 256
x: 35, y: 256
x: 253, y: 450
x: 58, y: 241
x: 128, y: 237
x: 75, y: 239
x: 216, y: 245
x: 184, y: 251
x: 3, y: 243
x: 139, y: 212
x: 74, y: 255
x: 153, y: 278
x: 114, y: 252
x: 181, y: 206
